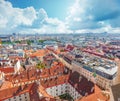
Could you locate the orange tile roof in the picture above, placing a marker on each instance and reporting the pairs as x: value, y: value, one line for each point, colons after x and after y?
x: 58, y: 51
x: 47, y: 83
x: 7, y: 70
x: 43, y: 92
x: 6, y: 85
x: 28, y: 50
x: 16, y: 58
x: 56, y: 70
x: 34, y: 74
x: 8, y: 93
x: 95, y: 96
x: 39, y: 53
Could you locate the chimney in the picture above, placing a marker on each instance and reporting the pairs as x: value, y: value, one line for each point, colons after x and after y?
x: 20, y: 88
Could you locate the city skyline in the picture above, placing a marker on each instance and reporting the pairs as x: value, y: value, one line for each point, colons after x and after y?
x: 69, y: 16
x: 55, y: 50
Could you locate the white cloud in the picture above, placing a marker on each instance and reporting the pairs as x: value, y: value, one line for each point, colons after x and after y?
x: 53, y: 21
x: 90, y: 17
x: 77, y: 19
x: 106, y: 28
x: 41, y: 15
x: 46, y: 29
x: 28, y: 20
x: 94, y: 15
x: 3, y: 22
x: 82, y: 17
x: 76, y: 8
x: 23, y: 17
x: 49, y: 25
x: 12, y: 17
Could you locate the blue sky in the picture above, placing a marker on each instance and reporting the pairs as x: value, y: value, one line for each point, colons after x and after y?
x: 59, y: 16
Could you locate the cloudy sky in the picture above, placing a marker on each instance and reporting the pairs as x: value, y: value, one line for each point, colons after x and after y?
x: 59, y: 16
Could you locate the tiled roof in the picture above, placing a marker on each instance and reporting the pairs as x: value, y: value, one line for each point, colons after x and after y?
x: 52, y: 77
x: 43, y: 92
x: 34, y: 74
x: 69, y: 47
x: 82, y: 85
x: 7, y: 70
x: 6, y: 85
x: 8, y: 93
x: 58, y: 80
x: 97, y: 95
x: 116, y: 91
x: 39, y: 53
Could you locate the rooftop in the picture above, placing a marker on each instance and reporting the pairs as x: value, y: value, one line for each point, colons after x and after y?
x: 81, y: 84
x: 103, y: 65
x: 14, y: 91
x: 7, y: 70
x: 97, y: 95
x: 116, y: 92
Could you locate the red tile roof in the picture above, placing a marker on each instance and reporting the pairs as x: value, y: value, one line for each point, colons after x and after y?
x: 7, y: 70
x: 69, y: 47
x: 8, y: 93
x: 5, y: 85
x: 82, y: 85
x: 97, y: 95
x: 42, y: 90
x: 34, y: 74
x: 39, y: 53
x: 58, y: 80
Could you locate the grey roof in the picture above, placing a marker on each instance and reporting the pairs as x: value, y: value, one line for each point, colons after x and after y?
x: 116, y: 91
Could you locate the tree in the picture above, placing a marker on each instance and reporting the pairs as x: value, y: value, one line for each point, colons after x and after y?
x: 40, y: 65
x: 29, y: 42
x: 41, y: 41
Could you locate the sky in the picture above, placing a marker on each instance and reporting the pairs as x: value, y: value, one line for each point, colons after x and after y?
x: 59, y: 16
